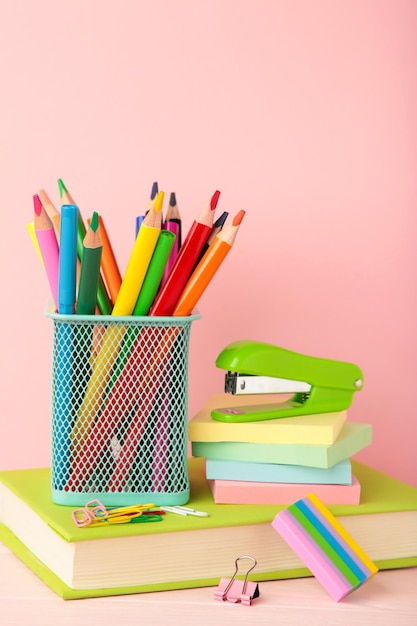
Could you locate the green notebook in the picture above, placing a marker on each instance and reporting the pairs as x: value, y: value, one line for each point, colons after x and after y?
x: 184, y: 552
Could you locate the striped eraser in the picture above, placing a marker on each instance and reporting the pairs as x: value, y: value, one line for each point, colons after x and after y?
x: 324, y: 546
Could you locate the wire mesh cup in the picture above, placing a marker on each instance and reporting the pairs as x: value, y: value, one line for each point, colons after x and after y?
x: 119, y: 409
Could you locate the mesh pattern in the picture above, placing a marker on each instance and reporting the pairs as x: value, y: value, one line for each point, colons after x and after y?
x: 119, y: 411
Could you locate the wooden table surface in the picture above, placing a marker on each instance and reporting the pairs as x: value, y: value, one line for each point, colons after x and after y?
x: 389, y: 599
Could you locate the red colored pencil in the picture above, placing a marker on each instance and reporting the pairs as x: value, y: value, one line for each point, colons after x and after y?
x: 197, y: 236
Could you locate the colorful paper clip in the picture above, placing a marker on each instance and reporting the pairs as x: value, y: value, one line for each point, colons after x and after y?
x: 234, y: 590
x: 95, y: 514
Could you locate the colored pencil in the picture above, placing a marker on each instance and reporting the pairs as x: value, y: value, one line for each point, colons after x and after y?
x: 217, y: 226
x: 67, y: 259
x: 51, y: 210
x: 173, y: 217
x: 109, y: 264
x: 140, y: 218
x: 103, y: 299
x: 48, y: 245
x: 152, y: 197
x: 113, y: 336
x: 90, y: 269
x: 173, y: 224
x: 198, y: 234
x: 139, y: 260
x: 208, y: 267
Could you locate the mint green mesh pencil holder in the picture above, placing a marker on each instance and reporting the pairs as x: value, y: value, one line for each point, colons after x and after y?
x: 119, y: 409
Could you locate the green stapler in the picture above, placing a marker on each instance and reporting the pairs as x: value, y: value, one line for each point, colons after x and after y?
x: 316, y: 385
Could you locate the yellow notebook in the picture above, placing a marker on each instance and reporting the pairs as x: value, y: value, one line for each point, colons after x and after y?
x: 306, y: 429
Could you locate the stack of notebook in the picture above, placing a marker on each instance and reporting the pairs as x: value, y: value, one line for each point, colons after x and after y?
x: 278, y: 461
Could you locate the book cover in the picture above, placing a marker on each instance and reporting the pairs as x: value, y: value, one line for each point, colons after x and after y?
x: 188, y: 552
x: 339, y: 474
x: 352, y: 438
x: 304, y: 429
x: 244, y: 492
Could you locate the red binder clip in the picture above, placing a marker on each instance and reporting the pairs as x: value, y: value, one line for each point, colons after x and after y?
x: 234, y: 590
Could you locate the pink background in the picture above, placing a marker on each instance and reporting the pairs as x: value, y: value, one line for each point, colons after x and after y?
x: 303, y: 113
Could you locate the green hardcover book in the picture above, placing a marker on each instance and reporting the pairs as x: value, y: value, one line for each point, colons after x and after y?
x: 184, y: 552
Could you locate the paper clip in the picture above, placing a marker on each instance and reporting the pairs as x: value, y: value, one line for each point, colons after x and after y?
x: 95, y: 514
x: 234, y: 590
x: 184, y: 510
x: 84, y: 516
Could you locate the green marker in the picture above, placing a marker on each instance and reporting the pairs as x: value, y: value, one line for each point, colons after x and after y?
x: 154, y: 272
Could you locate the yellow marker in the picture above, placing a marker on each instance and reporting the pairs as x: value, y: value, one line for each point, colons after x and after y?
x: 139, y: 260
x: 112, y: 340
x: 31, y: 229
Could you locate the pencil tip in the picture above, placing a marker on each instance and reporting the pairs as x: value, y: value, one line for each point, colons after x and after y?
x: 172, y: 199
x: 61, y: 187
x: 221, y: 220
x: 37, y: 204
x: 94, y: 221
x: 214, y: 200
x: 159, y: 201
x: 238, y: 218
x: 44, y: 196
x: 154, y: 190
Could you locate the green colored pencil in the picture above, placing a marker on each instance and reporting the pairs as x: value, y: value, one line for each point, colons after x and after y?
x: 90, y: 269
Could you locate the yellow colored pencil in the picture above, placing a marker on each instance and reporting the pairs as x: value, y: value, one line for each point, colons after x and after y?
x: 113, y: 336
x: 139, y: 260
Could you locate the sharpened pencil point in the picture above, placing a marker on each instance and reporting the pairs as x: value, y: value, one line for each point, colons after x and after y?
x: 221, y: 220
x: 154, y: 190
x: 44, y: 197
x: 172, y: 199
x: 214, y: 200
x: 94, y: 221
x: 37, y: 204
x: 159, y: 201
x: 61, y: 187
x: 238, y: 218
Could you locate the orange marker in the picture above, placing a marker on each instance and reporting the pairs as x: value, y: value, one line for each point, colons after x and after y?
x: 207, y: 267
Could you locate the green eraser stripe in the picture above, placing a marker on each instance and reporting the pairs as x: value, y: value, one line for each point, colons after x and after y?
x: 324, y: 546
x: 333, y: 540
